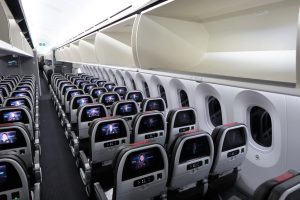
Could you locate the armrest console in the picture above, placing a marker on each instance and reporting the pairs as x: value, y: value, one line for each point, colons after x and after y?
x: 37, y: 191
x: 74, y: 144
x: 37, y: 167
x: 85, y: 168
x: 99, y: 192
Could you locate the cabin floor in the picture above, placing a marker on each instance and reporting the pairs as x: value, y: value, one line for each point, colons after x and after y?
x: 61, y: 179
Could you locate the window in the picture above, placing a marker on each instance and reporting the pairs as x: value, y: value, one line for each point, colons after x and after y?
x: 184, y: 100
x: 146, y: 88
x: 215, y: 111
x: 133, y: 83
x: 162, y: 93
x: 261, y: 126
x: 123, y: 80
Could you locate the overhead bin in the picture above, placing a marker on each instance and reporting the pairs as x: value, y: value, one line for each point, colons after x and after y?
x: 74, y: 52
x: 12, y: 40
x: 113, y: 44
x: 87, y: 49
x: 250, y: 39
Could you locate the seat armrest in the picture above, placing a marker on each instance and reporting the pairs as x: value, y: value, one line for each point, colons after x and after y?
x: 37, y: 191
x: 37, y: 167
x: 74, y: 144
x: 85, y: 168
x: 68, y: 128
x: 99, y: 192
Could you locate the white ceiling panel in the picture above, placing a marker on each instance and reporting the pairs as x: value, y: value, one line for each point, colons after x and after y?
x: 54, y: 22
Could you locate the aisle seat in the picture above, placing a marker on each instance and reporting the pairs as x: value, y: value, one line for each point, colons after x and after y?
x: 141, y: 172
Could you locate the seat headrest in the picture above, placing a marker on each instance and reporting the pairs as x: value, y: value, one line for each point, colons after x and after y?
x: 20, y: 93
x: 101, y: 83
x: 279, y: 187
x: 109, y: 86
x: 157, y: 104
x: 88, y: 87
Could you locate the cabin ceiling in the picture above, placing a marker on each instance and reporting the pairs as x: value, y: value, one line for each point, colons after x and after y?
x: 53, y: 22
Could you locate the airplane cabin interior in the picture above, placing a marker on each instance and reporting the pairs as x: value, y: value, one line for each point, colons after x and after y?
x: 149, y: 100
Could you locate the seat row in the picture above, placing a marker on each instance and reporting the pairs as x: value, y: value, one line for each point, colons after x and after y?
x: 98, y: 138
x: 132, y: 147
x: 20, y: 171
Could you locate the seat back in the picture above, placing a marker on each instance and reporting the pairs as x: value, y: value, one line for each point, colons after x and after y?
x: 4, y: 92
x: 88, y: 87
x: 230, y: 144
x: 64, y: 90
x: 135, y: 95
x: 149, y: 126
x: 94, y: 80
x: 283, y: 187
x: 20, y: 93
x: 106, y: 136
x: 17, y: 114
x: 69, y: 95
x: 121, y: 90
x: 126, y: 109
x: 109, y: 86
x: 14, y: 181
x: 191, y: 159
x: 152, y: 104
x: 97, y: 91
x: 7, y: 85
x: 180, y: 120
x: 141, y: 172
x: 19, y: 101
x: 101, y: 83
x: 109, y: 98
x: 88, y: 113
x: 60, y: 86
x: 76, y: 102
x: 25, y: 88
x: 81, y: 84
x: 16, y: 137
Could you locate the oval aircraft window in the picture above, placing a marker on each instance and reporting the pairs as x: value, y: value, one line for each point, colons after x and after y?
x: 184, y: 99
x: 261, y: 126
x: 162, y: 93
x: 215, y: 111
x: 146, y: 88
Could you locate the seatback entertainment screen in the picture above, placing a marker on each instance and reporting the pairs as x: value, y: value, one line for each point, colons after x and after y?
x: 12, y: 116
x: 142, y: 163
x: 136, y: 96
x: 8, y: 137
x: 110, y: 131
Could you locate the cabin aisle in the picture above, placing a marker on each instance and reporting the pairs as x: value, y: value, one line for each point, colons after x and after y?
x: 61, y: 179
